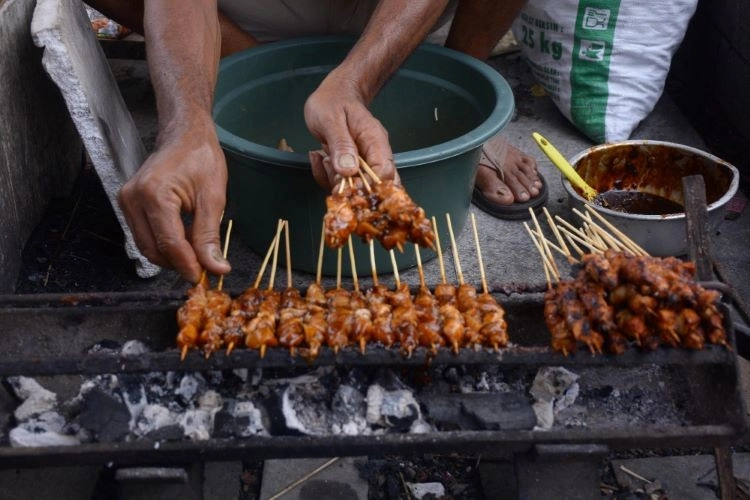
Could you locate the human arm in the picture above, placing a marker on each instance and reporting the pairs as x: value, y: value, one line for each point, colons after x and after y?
x: 186, y: 173
x: 337, y: 112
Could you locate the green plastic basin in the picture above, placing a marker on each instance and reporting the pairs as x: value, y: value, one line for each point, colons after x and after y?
x: 438, y: 109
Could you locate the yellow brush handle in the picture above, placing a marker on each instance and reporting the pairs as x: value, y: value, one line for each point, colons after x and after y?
x: 566, y: 168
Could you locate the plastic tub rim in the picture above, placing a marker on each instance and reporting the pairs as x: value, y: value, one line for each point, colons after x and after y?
x: 497, y: 119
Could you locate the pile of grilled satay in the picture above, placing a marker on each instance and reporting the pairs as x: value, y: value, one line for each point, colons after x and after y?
x: 455, y: 316
x: 621, y: 295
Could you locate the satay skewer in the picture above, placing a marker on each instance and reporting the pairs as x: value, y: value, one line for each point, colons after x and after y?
x: 623, y: 237
x: 581, y: 237
x: 220, y: 285
x: 560, y: 240
x: 395, y: 268
x: 439, y: 250
x: 479, y: 254
x: 548, y: 269
x: 454, y: 249
x: 231, y: 344
x: 543, y: 242
x: 353, y: 264
x: 369, y: 170
x: 372, y: 264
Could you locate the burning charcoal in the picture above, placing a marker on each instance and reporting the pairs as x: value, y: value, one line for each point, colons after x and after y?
x: 104, y: 346
x: 396, y: 409
x: 554, y: 389
x: 154, y: 418
x: 421, y: 490
x: 239, y: 419
x: 43, y: 430
x: 349, y: 411
x: 190, y: 385
x: 107, y: 418
x: 36, y: 399
x: 499, y: 411
x: 198, y: 424
x: 305, y: 408
x: 134, y: 348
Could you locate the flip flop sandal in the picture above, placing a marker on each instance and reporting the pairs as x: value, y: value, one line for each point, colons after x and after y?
x: 516, y: 211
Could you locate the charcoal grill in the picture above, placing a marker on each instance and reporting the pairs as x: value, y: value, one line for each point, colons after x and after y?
x: 49, y: 336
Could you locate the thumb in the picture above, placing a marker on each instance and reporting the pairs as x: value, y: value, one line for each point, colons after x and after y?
x: 207, y: 241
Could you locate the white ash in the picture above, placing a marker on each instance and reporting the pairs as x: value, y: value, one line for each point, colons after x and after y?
x: 246, y: 410
x: 305, y: 408
x: 421, y: 490
x: 154, y: 417
x: 553, y: 389
x: 198, y: 424
x: 36, y: 399
x: 134, y: 348
x: 45, y: 429
x: 395, y: 409
x: 349, y: 408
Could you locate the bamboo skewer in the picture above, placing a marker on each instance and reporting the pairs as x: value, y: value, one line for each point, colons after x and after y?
x: 560, y: 240
x: 275, y: 256
x: 581, y: 236
x: 572, y: 243
x: 547, y: 266
x: 353, y: 264
x: 338, y: 268
x: 555, y: 247
x: 288, y: 255
x: 456, y: 261
x: 543, y: 242
x: 226, y: 248
x: 580, y: 239
x: 266, y: 259
x: 419, y: 267
x: 439, y: 251
x: 622, y: 236
x: 372, y: 264
x: 369, y: 170
x: 479, y: 253
x: 395, y: 268
x: 319, y: 270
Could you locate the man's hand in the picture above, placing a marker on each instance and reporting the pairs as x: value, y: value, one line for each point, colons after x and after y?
x: 337, y: 115
x: 184, y: 175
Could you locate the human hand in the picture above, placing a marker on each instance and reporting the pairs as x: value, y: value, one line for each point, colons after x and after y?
x: 186, y: 174
x: 337, y: 115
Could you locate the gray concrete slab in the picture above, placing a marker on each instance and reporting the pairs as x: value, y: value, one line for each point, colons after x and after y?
x: 76, y: 63
x: 338, y: 481
x: 686, y: 477
x: 40, y: 152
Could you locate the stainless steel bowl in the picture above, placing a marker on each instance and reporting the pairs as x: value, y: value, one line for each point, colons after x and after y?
x: 656, y: 167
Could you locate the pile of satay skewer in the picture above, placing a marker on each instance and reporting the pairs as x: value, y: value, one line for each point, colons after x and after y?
x: 456, y: 316
x: 621, y: 295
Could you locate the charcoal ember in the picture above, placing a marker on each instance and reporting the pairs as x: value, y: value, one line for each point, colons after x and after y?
x: 239, y: 419
x: 46, y: 429
x: 36, y: 399
x: 105, y: 346
x: 349, y: 409
x: 133, y: 393
x: 7, y: 405
x: 198, y: 424
x: 305, y: 407
x: 156, y: 420
x: 396, y: 409
x: 554, y: 389
x: 499, y: 411
x: 104, y: 415
x: 134, y: 348
x: 190, y: 385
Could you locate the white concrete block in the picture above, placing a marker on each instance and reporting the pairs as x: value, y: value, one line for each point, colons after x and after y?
x: 76, y: 63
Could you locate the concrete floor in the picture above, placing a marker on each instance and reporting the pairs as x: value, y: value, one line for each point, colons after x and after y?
x: 508, y: 253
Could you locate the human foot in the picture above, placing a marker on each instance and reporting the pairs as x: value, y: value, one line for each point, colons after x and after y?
x: 507, y: 181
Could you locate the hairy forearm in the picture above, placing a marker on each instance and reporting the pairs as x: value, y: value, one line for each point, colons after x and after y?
x: 183, y: 44
x: 396, y: 28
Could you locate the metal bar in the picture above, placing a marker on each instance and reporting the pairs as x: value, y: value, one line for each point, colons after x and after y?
x: 102, y: 363
x: 264, y: 447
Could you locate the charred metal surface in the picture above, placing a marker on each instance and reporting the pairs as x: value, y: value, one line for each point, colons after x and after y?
x: 261, y: 447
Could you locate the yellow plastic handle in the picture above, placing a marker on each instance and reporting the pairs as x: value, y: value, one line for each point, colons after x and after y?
x: 566, y: 168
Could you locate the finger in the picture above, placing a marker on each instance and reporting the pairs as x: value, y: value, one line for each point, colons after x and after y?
x: 139, y: 226
x: 171, y: 244
x: 206, y: 237
x: 318, y: 171
x: 342, y: 151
